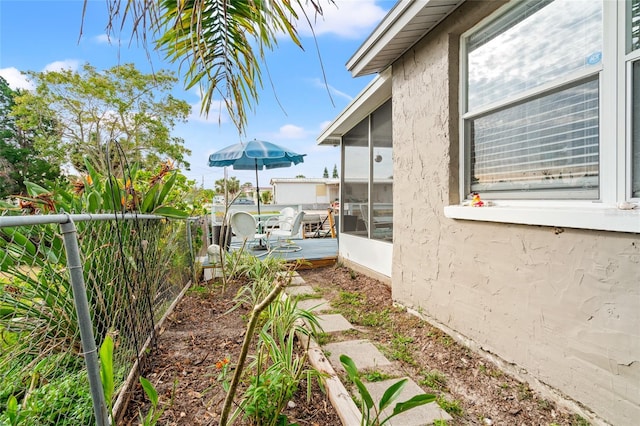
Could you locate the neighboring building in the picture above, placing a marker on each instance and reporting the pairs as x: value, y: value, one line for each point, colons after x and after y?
x: 319, y: 192
x: 535, y: 106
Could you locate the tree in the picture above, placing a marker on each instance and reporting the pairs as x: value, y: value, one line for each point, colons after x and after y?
x: 220, y: 43
x: 233, y: 185
x: 94, y: 108
x: 325, y: 174
x: 18, y: 159
x: 335, y: 172
x: 300, y: 176
x: 266, y: 197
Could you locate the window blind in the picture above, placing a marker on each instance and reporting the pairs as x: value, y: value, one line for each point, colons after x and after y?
x: 550, y: 142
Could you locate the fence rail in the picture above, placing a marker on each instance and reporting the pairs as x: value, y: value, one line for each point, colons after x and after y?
x: 67, y: 281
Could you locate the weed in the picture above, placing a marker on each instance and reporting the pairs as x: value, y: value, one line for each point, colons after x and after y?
x: 376, y: 376
x: 322, y: 338
x: 579, y: 421
x: 545, y: 404
x: 353, y: 274
x: 524, y: 392
x: 375, y: 319
x: 401, y: 350
x: 434, y: 379
x: 452, y: 407
x: 349, y: 298
x: 440, y: 422
x: 199, y: 290
x: 446, y: 341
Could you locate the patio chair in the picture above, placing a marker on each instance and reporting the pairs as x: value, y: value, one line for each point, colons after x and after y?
x: 283, y: 237
x: 244, y: 226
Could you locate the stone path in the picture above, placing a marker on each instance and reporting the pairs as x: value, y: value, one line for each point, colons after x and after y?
x: 365, y: 355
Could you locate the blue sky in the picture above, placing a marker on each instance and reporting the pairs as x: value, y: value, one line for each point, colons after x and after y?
x: 38, y: 35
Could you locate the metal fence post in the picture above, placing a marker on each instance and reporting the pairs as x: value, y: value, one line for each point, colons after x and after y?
x: 74, y: 263
x: 191, y: 253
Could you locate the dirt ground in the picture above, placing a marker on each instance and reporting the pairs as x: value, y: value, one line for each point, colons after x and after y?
x: 199, y: 334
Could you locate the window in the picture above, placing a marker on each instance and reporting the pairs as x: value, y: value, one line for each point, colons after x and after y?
x: 532, y: 118
x: 550, y: 111
x: 632, y: 59
x: 367, y: 189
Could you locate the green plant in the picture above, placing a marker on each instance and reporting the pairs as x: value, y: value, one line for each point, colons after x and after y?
x: 440, y: 422
x: 434, y: 379
x: 322, y: 338
x: 278, y: 369
x: 372, y: 414
x: 524, y: 392
x: 106, y: 372
x: 155, y: 411
x: 578, y: 420
x: 223, y: 372
x: 353, y: 274
x: 14, y: 412
x: 401, y: 348
x: 452, y: 407
x: 351, y: 298
x: 376, y: 376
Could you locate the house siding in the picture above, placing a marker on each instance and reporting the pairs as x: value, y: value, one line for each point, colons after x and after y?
x: 561, y: 304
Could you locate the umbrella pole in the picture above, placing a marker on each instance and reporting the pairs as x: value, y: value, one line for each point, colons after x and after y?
x: 258, y: 190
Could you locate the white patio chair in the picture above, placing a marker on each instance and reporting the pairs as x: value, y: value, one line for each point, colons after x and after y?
x: 244, y: 225
x: 283, y: 237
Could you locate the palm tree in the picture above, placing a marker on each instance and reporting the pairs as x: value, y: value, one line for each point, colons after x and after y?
x: 219, y: 43
x: 233, y: 186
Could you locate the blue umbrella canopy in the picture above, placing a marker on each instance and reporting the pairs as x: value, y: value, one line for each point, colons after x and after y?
x: 256, y: 155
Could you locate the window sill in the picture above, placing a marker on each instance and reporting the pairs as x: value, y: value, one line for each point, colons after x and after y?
x: 578, y: 215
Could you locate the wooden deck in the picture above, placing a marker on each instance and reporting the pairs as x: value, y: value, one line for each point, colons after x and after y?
x: 314, y: 253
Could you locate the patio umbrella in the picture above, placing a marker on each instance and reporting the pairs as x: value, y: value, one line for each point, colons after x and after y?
x: 256, y: 155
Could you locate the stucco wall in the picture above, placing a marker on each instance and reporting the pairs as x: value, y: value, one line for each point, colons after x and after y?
x: 563, y: 304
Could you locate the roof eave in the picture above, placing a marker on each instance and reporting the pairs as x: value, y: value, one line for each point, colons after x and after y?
x: 375, y: 94
x: 382, y: 48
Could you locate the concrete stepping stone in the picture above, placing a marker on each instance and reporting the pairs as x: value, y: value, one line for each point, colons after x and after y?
x: 297, y: 280
x: 333, y: 322
x: 362, y: 352
x: 299, y: 290
x: 314, y: 305
x: 418, y: 416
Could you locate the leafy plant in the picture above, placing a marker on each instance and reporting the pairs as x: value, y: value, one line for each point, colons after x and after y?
x: 14, y: 412
x: 278, y: 369
x: 155, y: 412
x: 372, y: 414
x: 106, y: 372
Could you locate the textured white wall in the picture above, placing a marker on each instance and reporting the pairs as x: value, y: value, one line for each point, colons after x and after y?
x: 562, y: 304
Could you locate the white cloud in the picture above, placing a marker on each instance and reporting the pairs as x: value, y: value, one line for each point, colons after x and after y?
x: 218, y: 113
x: 290, y: 131
x: 324, y: 125
x: 105, y: 39
x: 16, y: 79
x: 332, y: 90
x: 352, y: 19
x: 67, y: 64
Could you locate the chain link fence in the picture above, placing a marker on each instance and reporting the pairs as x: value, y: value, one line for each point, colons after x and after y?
x: 130, y: 270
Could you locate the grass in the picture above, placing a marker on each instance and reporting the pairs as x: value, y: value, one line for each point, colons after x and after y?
x: 349, y: 298
x: 376, y: 376
x: 323, y: 338
x: 452, y: 407
x: 400, y: 349
x: 434, y: 379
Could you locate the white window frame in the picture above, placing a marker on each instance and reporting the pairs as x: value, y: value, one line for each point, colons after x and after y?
x: 615, y: 210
